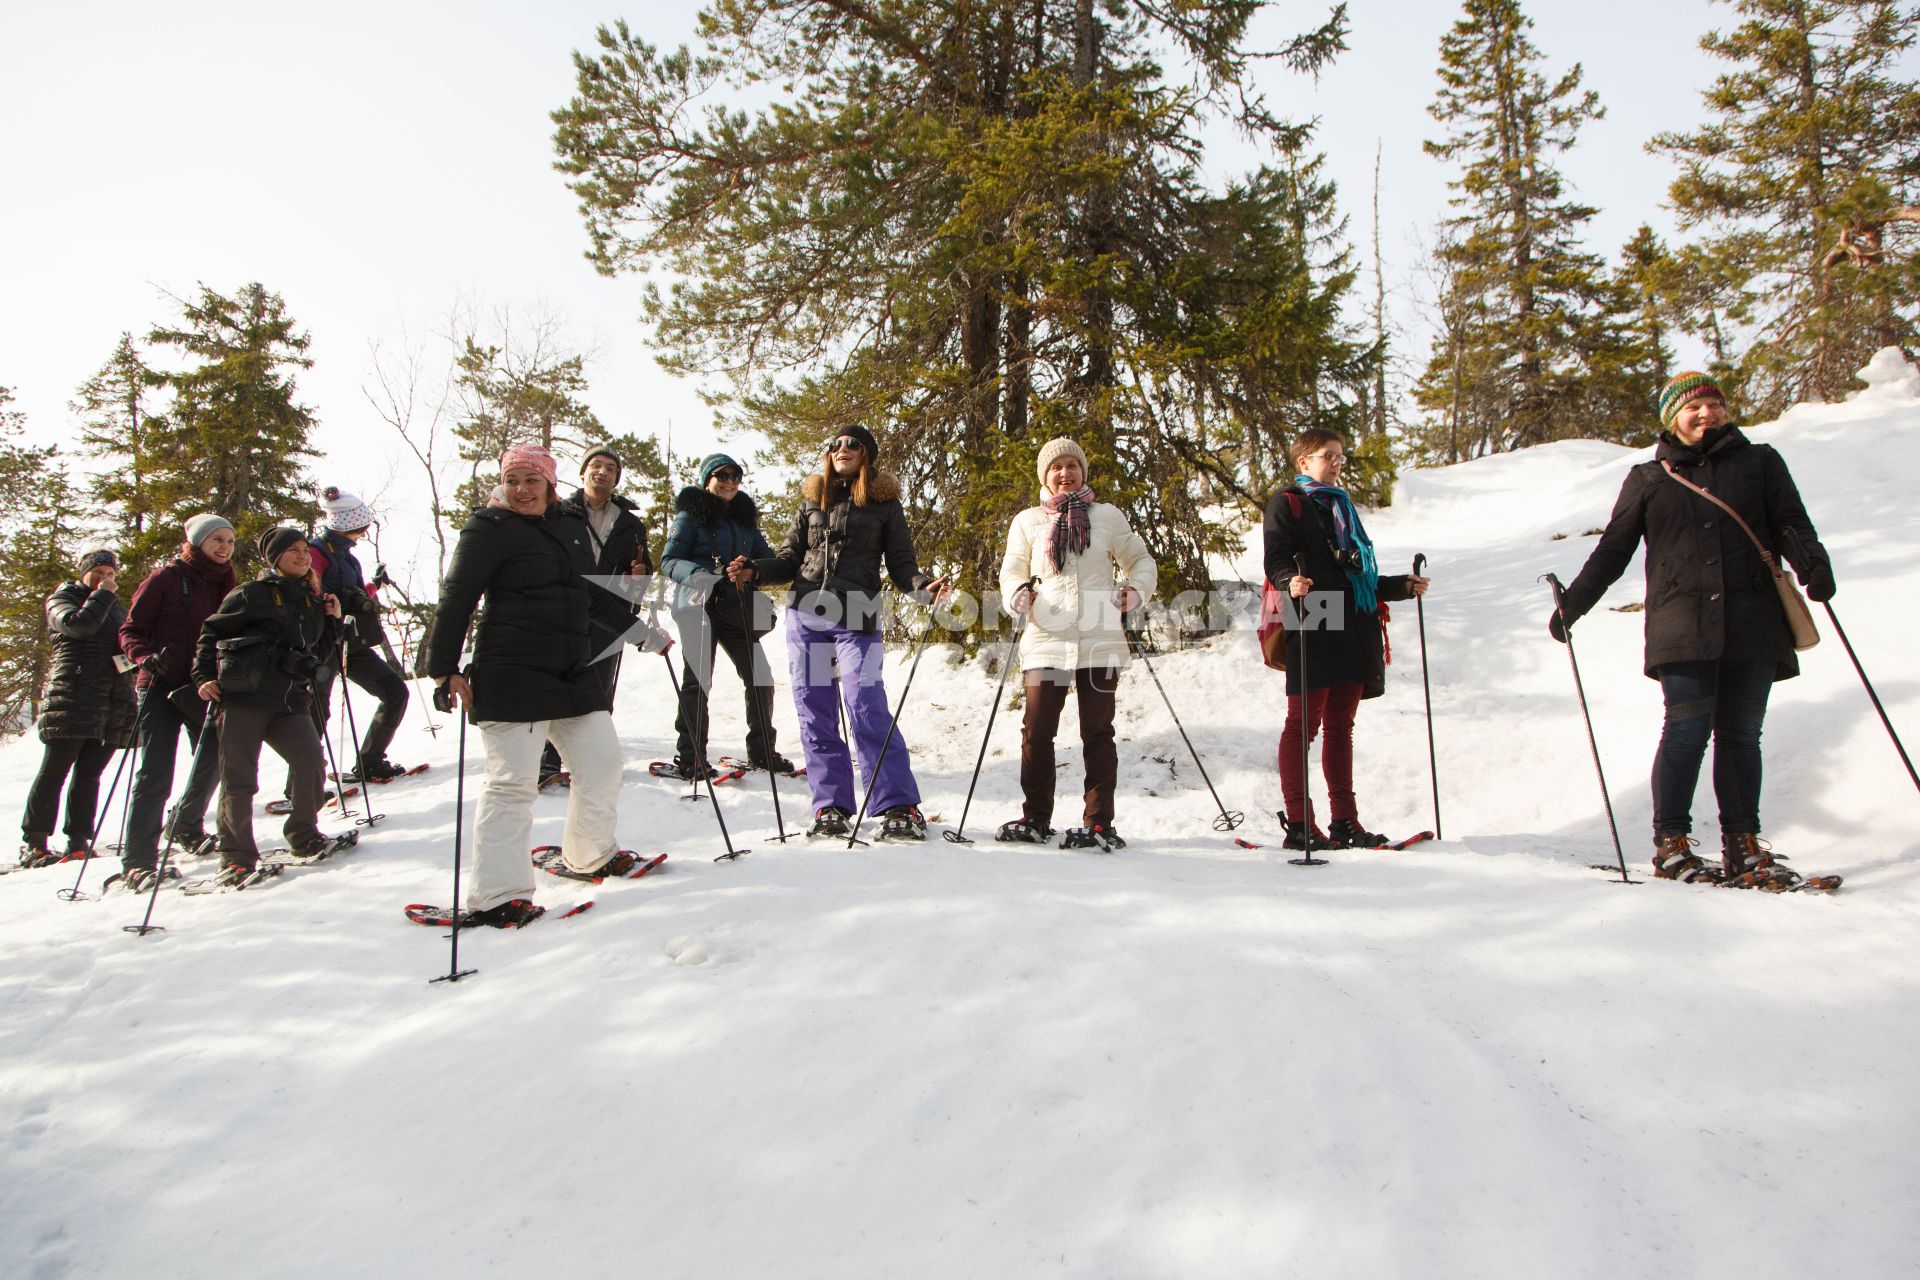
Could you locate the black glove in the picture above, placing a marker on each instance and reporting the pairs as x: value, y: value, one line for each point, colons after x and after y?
x: 1818, y: 580
x: 1557, y: 627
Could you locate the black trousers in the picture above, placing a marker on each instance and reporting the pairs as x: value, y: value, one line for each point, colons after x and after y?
x: 366, y: 668
x: 700, y: 635
x: 73, y: 765
x: 160, y: 725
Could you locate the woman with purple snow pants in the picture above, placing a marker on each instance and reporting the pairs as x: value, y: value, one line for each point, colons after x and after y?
x: 849, y: 524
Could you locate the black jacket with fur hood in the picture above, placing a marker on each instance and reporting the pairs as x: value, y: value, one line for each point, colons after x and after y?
x: 836, y: 548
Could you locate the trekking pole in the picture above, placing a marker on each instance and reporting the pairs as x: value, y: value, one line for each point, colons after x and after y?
x: 353, y: 736
x: 893, y: 726
x: 1433, y: 763
x: 100, y: 817
x: 1229, y: 818
x: 773, y: 783
x: 1592, y: 742
x: 146, y: 925
x: 704, y: 771
x: 1848, y: 644
x: 399, y: 664
x: 953, y: 835
x: 443, y: 700
x: 1306, y: 858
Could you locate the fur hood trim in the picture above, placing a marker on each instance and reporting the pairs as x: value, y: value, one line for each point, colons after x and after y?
x: 706, y: 507
x: 882, y: 486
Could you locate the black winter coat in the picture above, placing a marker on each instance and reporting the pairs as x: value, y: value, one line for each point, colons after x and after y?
x: 87, y: 697
x: 533, y: 647
x: 1355, y: 653
x: 626, y: 542
x: 705, y: 532
x: 264, y: 643
x: 834, y: 552
x: 1709, y: 594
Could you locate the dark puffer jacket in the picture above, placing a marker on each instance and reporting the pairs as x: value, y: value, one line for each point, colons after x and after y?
x: 341, y: 576
x: 835, y: 550
x: 1709, y: 594
x: 87, y: 697
x: 626, y: 542
x: 264, y: 643
x: 167, y: 611
x: 707, y: 531
x: 1353, y: 654
x: 533, y: 646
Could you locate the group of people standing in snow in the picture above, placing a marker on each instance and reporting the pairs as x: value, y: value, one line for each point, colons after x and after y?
x: 554, y: 583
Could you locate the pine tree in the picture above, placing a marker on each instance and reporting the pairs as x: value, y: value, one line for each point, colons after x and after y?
x: 236, y: 440
x: 1525, y: 308
x: 118, y: 428
x: 974, y: 228
x: 39, y: 542
x: 1811, y: 158
x: 526, y: 390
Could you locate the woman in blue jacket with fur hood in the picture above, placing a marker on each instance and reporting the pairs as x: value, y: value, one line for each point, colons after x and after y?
x: 716, y: 523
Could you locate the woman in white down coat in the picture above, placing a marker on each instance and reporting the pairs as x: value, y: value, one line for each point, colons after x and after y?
x: 1091, y: 569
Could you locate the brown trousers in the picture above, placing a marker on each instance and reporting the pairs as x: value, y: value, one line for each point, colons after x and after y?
x: 243, y: 730
x: 1094, y: 689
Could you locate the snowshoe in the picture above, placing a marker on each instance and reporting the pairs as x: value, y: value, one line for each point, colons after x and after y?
x: 1748, y: 863
x: 1105, y: 839
x: 515, y: 914
x: 830, y: 823
x: 525, y: 913
x: 281, y: 807
x: 328, y: 846
x: 196, y: 844
x: 1022, y: 831
x: 775, y: 763
x: 33, y: 856
x: 381, y: 772
x: 137, y: 879
x: 558, y: 778
x: 238, y: 875
x: 1347, y: 833
x: 623, y: 865
x: 903, y: 822
x: 683, y: 771
x: 1674, y: 859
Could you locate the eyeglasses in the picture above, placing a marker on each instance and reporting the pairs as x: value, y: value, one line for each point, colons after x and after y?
x: 838, y: 443
x: 1330, y: 457
x: 727, y: 474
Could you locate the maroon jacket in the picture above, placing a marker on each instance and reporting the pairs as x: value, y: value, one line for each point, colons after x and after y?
x: 166, y: 613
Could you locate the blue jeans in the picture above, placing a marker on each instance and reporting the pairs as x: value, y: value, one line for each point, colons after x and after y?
x: 1726, y: 700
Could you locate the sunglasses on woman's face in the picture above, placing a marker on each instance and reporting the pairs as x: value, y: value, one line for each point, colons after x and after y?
x: 844, y: 443
x: 728, y: 475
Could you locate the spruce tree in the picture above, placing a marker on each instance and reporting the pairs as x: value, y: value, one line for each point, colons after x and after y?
x: 1809, y: 161
x: 236, y: 440
x: 975, y: 228
x: 39, y: 542
x: 1526, y: 302
x: 119, y: 429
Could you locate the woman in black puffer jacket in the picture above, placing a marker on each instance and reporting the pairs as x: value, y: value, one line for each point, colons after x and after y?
x: 1717, y: 638
x: 531, y: 679
x: 88, y: 713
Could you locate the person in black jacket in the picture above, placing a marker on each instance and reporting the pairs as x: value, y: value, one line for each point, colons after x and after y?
x: 850, y: 525
x: 1314, y: 520
x: 531, y: 679
x: 618, y: 539
x: 256, y: 660
x: 88, y: 713
x: 717, y: 523
x: 342, y: 577
x: 1716, y: 635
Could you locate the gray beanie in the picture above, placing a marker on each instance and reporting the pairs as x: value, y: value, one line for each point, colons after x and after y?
x: 603, y: 451
x: 198, y: 527
x: 1055, y: 449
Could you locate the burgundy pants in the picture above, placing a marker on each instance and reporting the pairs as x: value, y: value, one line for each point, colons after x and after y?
x: 1330, y: 717
x: 1047, y: 687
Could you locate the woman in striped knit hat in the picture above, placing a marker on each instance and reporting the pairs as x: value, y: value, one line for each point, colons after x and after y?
x: 1716, y: 635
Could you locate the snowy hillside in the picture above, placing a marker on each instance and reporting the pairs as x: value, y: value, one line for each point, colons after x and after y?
x: 1477, y: 1058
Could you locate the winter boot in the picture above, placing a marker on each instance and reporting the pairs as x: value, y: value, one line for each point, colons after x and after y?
x: 381, y: 770
x: 327, y: 845
x: 37, y: 855
x: 903, y: 822
x: 508, y: 915
x: 1349, y: 834
x: 1674, y: 859
x: 830, y: 822
x: 1105, y: 839
x: 140, y: 879
x: 238, y: 875
x: 1747, y: 863
x: 774, y: 762
x: 1024, y: 831
x: 1304, y: 836
x: 688, y: 771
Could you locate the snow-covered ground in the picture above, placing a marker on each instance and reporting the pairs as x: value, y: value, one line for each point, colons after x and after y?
x: 1186, y: 1060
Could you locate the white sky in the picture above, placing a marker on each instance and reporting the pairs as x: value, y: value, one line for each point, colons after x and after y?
x: 375, y: 162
